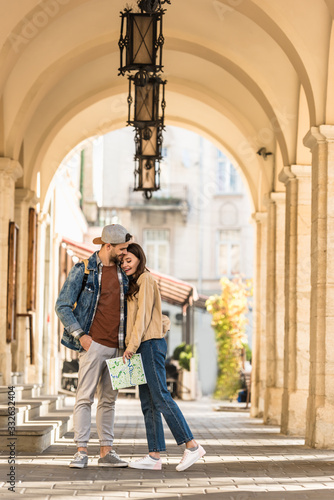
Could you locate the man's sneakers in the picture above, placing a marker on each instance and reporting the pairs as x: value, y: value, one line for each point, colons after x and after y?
x: 80, y: 460
x: 190, y: 457
x: 147, y: 463
x: 111, y: 459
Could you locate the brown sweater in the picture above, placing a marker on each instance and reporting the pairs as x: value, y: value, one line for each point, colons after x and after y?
x: 145, y: 320
x: 104, y: 329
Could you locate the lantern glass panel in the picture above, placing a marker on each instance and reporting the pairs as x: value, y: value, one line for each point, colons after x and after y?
x: 149, y: 147
x: 142, y: 38
x: 145, y: 103
x: 147, y: 175
x: 149, y: 142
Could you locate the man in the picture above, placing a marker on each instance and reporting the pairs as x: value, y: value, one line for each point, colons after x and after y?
x: 93, y: 314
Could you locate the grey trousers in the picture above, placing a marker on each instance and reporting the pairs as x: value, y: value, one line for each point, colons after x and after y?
x: 94, y: 377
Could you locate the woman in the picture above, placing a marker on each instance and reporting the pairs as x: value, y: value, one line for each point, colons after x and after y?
x: 146, y: 327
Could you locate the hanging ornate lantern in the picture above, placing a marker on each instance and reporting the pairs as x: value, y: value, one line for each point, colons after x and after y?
x: 147, y: 175
x: 141, y: 41
x: 149, y: 100
x: 149, y: 142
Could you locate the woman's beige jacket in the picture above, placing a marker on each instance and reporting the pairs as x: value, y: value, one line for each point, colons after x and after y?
x: 145, y: 320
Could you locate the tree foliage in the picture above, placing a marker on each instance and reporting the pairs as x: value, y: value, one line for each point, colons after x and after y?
x: 183, y: 354
x: 229, y: 321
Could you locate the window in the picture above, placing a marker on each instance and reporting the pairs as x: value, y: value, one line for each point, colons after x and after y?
x: 186, y: 160
x: 156, y: 246
x: 228, y: 252
x: 164, y: 152
x: 165, y: 173
x: 228, y: 180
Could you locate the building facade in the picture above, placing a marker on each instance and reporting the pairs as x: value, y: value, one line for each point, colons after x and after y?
x: 197, y: 227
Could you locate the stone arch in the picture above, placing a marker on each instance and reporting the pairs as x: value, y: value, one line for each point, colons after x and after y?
x: 265, y: 24
x: 287, y: 37
x: 330, y: 80
x: 52, y: 75
x: 55, y: 141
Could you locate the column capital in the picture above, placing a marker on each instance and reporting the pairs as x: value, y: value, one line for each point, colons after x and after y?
x: 25, y: 195
x: 57, y: 239
x: 319, y: 135
x: 44, y: 219
x: 10, y: 168
x: 291, y: 172
x: 277, y: 197
x: 328, y: 132
x: 286, y: 175
x: 260, y: 217
x: 301, y: 170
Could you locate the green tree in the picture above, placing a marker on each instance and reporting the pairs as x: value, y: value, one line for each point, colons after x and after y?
x: 229, y: 322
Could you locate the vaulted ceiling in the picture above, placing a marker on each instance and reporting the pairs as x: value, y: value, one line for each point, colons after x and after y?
x: 244, y: 73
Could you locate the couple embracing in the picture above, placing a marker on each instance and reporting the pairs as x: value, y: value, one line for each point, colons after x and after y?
x: 111, y: 307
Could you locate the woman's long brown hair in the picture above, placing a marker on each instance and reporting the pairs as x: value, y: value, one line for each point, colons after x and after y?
x: 138, y: 252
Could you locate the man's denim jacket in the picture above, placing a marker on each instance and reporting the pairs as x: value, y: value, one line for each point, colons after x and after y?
x: 80, y: 319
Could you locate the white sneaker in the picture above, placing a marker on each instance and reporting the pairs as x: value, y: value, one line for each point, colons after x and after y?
x: 146, y: 463
x: 190, y: 457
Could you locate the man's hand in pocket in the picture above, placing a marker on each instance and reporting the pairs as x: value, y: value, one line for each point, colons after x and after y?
x: 86, y: 341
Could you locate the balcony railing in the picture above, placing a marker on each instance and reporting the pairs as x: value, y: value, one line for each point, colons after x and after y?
x: 173, y: 199
x: 172, y: 196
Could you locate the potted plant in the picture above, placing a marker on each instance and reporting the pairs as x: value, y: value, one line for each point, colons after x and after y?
x: 183, y: 357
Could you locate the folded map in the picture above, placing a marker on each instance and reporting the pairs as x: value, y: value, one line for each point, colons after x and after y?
x: 126, y: 374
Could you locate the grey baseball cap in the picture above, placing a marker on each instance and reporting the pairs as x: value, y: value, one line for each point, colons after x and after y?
x: 115, y: 234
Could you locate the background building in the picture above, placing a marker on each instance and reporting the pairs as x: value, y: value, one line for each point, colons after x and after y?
x: 197, y: 228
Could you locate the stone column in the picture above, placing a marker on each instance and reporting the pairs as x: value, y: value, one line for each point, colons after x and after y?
x: 88, y: 202
x: 55, y: 361
x: 24, y: 199
x: 275, y: 309
x: 259, y: 337
x: 10, y: 171
x: 320, y: 404
x: 42, y: 330
x: 297, y: 180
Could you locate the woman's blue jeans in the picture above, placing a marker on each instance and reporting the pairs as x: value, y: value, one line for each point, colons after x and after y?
x: 156, y: 399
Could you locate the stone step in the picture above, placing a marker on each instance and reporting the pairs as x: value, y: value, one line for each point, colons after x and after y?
x: 19, y: 392
x: 27, y: 410
x: 48, y: 403
x: 30, y: 391
x: 37, y: 434
x: 23, y: 413
x: 30, y: 438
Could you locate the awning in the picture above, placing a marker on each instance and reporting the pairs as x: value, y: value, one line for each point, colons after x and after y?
x: 175, y: 291
x: 172, y: 290
x: 79, y: 250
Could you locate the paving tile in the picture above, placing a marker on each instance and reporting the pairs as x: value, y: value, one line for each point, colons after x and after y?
x: 36, y: 492
x: 89, y: 492
x: 76, y: 497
